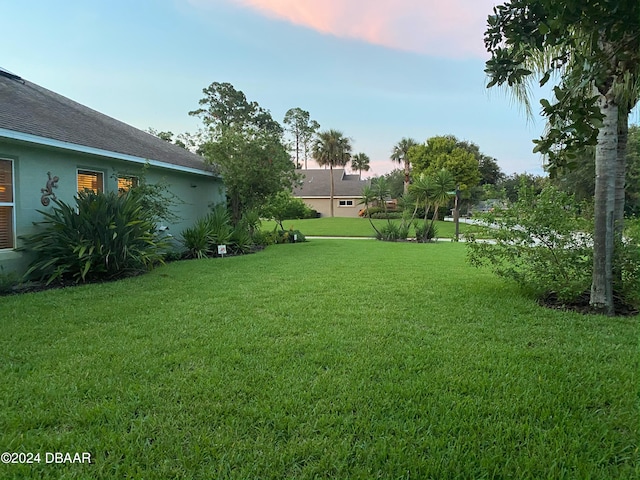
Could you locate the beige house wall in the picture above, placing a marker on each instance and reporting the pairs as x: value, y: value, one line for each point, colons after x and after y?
x: 323, y: 205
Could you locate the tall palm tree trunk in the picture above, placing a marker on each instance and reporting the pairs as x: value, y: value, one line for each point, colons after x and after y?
x: 621, y: 169
x: 603, y: 239
x: 407, y: 173
x: 331, y: 193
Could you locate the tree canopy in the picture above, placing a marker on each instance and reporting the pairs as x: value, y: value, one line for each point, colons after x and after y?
x: 360, y: 161
x: 332, y: 149
x: 593, y: 46
x: 245, y: 143
x: 400, y: 154
x: 301, y: 129
x: 448, y: 153
x: 224, y: 108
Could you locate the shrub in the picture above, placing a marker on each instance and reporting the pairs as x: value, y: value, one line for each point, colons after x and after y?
x: 540, y: 242
x: 425, y: 231
x: 8, y: 281
x: 202, y: 239
x: 219, y: 227
x: 403, y: 231
x: 250, y: 221
x: 264, y: 238
x: 284, y: 206
x: 289, y: 236
x: 240, y: 241
x: 104, y: 236
x: 196, y: 239
x: 157, y: 199
x: 387, y: 215
x: 173, y: 255
x: 627, y: 264
x: 390, y: 232
x: 370, y: 211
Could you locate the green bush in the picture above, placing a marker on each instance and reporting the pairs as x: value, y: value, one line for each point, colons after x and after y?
x: 202, y: 239
x: 157, y: 199
x: 104, y: 236
x: 391, y: 232
x: 219, y: 225
x: 289, y: 236
x: 251, y: 221
x: 541, y: 242
x: 8, y: 280
x: 370, y: 211
x: 196, y: 239
x: 264, y: 238
x: 627, y: 264
x: 240, y: 241
x: 425, y: 231
x: 386, y: 215
x: 284, y: 206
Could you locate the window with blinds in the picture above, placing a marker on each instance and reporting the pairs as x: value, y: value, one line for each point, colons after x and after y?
x: 89, y: 180
x: 6, y: 204
x: 127, y: 183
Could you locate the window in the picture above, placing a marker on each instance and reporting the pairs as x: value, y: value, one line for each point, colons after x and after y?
x: 345, y: 203
x: 127, y: 183
x: 89, y: 180
x: 6, y: 204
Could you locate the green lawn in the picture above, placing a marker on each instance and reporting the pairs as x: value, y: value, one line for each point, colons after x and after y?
x: 353, y: 227
x: 325, y: 359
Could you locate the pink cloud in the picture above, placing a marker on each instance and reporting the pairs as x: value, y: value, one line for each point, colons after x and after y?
x: 451, y: 28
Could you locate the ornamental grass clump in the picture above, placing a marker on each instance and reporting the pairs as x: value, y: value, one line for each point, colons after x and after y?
x: 202, y: 239
x: 102, y: 237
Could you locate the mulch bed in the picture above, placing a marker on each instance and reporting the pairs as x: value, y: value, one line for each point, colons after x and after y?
x: 581, y: 304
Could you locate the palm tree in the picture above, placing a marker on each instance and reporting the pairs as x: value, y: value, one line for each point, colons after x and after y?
x: 399, y: 154
x: 369, y: 195
x: 382, y: 191
x: 442, y: 184
x: 331, y: 148
x: 360, y: 162
x: 421, y: 189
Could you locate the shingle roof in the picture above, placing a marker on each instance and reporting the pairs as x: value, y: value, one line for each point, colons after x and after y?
x: 28, y: 108
x: 317, y: 183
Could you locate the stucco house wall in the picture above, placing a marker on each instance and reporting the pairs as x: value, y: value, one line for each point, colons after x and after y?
x: 315, y: 189
x: 44, y: 148
x: 342, y: 206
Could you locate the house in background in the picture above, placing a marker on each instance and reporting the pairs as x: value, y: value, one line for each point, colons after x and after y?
x: 53, y: 147
x: 315, y: 190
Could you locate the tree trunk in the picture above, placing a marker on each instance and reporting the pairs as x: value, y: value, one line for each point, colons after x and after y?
x: 235, y: 208
x: 621, y: 170
x: 603, y: 237
x: 407, y: 172
x: 331, y: 196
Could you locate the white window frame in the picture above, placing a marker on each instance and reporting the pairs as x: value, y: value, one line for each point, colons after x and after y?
x: 347, y: 203
x: 12, y: 205
x: 89, y: 171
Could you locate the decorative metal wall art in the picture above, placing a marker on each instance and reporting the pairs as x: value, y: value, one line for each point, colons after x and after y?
x: 48, y: 190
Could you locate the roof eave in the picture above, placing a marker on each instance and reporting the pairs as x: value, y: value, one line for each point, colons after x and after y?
x: 51, y: 143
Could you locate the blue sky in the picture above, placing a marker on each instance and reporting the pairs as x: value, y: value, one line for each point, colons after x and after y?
x: 377, y: 70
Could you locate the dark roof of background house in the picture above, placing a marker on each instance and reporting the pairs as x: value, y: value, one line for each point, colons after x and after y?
x: 28, y: 108
x: 317, y: 183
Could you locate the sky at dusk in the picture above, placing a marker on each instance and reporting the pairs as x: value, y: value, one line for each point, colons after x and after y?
x: 377, y: 70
